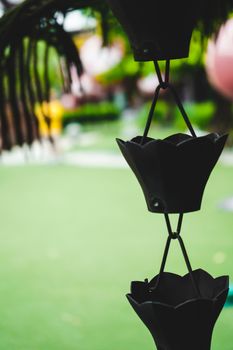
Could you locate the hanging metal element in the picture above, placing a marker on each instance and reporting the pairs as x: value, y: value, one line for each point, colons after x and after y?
x: 172, y: 172
x: 160, y: 30
x: 180, y: 312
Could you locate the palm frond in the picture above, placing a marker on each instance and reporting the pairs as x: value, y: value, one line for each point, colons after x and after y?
x: 22, y: 83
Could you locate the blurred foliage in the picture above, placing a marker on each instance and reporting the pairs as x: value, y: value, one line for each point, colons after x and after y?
x: 26, y: 67
x: 91, y: 112
x: 128, y: 67
x: 160, y: 115
x: 50, y: 50
x: 54, y: 69
x: 200, y: 114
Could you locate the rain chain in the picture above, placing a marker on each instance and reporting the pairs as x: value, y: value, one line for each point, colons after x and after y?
x: 180, y: 312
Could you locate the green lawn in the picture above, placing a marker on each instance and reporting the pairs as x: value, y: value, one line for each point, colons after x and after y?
x: 72, y: 240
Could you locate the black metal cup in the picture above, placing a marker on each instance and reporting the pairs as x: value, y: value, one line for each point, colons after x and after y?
x: 173, y: 172
x: 158, y: 30
x: 177, y: 318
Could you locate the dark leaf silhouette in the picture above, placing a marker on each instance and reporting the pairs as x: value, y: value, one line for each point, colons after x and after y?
x: 24, y: 68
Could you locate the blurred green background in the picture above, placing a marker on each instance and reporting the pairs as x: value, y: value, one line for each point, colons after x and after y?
x: 74, y: 225
x: 72, y: 239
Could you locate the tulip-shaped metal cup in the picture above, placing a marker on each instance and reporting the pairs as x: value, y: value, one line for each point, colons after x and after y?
x: 173, y: 172
x: 160, y: 30
x: 177, y: 318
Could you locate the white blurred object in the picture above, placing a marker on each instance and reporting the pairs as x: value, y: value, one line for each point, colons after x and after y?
x: 98, y: 59
x: 76, y: 21
x: 89, y: 86
x: 227, y: 157
x: 147, y: 85
x: 73, y: 130
x: 96, y: 160
x: 68, y: 101
x: 227, y: 204
x: 219, y: 60
x: 219, y: 258
x: 39, y: 153
x: 71, y: 137
x: 130, y: 128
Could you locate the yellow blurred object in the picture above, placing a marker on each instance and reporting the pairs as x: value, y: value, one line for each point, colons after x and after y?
x: 53, y: 112
x: 80, y: 39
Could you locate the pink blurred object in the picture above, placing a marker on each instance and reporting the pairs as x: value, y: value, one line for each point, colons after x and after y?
x: 98, y: 59
x: 219, y: 60
x: 147, y: 85
x: 69, y: 101
x: 90, y: 88
x: 86, y: 87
